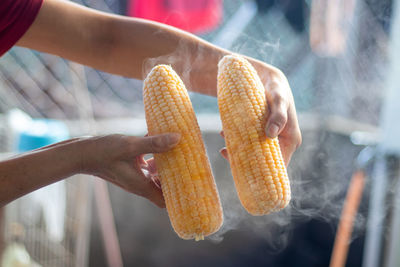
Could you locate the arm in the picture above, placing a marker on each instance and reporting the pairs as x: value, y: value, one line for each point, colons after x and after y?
x: 28, y: 172
x: 115, y: 158
x: 121, y: 45
x: 131, y: 47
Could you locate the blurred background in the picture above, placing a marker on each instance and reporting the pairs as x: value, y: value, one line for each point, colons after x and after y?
x: 342, y: 61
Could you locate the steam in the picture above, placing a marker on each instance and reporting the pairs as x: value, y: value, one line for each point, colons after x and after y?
x: 266, y: 51
x: 183, y: 66
x: 321, y: 169
x: 316, y: 195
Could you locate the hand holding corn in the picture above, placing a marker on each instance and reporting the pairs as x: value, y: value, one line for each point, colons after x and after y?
x: 257, y: 164
x: 282, y: 119
x: 256, y: 161
x: 115, y: 158
x: 119, y: 160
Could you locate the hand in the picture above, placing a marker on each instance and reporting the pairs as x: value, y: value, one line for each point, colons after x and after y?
x: 282, y: 121
x: 120, y: 159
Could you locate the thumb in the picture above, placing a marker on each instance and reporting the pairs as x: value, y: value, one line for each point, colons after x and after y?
x: 156, y: 143
x: 277, y: 119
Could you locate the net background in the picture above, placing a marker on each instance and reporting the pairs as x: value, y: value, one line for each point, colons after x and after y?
x: 46, y: 86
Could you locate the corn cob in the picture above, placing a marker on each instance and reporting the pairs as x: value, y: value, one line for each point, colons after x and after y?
x: 187, y: 182
x: 256, y: 161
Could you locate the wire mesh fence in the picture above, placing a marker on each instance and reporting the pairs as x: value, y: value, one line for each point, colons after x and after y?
x: 46, y: 86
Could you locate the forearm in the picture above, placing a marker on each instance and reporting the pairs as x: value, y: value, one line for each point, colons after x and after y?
x: 122, y: 45
x: 126, y: 46
x: 33, y: 170
x: 148, y: 44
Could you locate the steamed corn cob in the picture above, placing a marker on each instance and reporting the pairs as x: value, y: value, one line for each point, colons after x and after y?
x: 256, y: 161
x: 187, y: 182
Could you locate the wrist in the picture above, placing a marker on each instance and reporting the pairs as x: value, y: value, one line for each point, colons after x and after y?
x: 82, y: 160
x: 267, y: 72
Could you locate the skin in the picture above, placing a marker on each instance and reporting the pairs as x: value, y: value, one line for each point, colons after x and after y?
x: 129, y: 47
x: 116, y: 158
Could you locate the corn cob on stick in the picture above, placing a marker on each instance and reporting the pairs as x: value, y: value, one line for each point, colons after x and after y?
x: 256, y: 161
x: 187, y: 182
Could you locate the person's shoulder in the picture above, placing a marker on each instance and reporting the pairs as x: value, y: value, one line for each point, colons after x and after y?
x: 16, y: 16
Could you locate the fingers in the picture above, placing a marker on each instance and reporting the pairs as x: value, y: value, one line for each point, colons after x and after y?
x: 278, y: 105
x: 156, y: 143
x: 141, y: 161
x: 151, y: 165
x: 140, y: 180
x: 152, y: 189
x: 224, y: 153
x: 290, y: 138
x: 138, y: 183
x: 152, y: 192
x: 149, y: 170
x: 150, y: 181
x: 282, y: 121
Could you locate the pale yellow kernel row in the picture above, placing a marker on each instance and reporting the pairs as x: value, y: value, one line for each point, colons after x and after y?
x: 256, y: 161
x: 185, y: 174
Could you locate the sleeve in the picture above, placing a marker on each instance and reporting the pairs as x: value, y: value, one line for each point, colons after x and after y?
x: 16, y: 16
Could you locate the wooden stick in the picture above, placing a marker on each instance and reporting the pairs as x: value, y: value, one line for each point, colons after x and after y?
x: 350, y: 208
x: 2, y: 224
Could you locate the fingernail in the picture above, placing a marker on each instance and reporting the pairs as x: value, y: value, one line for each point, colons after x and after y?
x: 272, y: 130
x: 224, y: 153
x: 173, y: 138
x: 166, y: 140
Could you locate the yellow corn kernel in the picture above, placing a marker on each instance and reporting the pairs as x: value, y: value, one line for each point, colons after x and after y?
x: 256, y: 161
x: 187, y: 182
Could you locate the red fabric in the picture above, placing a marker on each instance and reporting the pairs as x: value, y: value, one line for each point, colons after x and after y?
x: 198, y: 16
x: 16, y: 16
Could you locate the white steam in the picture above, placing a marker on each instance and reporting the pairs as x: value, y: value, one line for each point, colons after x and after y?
x: 320, y: 171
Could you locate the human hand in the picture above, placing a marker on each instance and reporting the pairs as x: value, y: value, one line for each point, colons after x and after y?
x: 282, y: 120
x: 120, y: 159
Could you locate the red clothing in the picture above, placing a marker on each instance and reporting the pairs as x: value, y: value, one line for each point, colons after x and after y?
x: 16, y: 16
x: 198, y: 16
